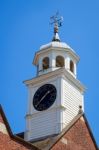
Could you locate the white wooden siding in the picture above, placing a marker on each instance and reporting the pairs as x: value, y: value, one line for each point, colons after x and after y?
x: 43, y: 124
x: 72, y: 98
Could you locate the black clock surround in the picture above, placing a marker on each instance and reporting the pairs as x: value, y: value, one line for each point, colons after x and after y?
x: 44, y: 97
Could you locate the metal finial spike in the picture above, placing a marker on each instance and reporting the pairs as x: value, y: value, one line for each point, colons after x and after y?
x: 57, y: 21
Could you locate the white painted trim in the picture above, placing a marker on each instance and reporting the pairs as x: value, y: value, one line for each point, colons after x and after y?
x: 29, y: 116
x: 59, y: 72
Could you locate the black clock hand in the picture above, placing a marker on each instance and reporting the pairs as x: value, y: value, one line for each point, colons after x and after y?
x: 43, y: 98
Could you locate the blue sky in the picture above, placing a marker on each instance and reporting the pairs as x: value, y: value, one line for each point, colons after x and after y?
x: 24, y: 27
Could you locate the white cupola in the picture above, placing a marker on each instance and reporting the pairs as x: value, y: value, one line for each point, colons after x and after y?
x: 56, y: 55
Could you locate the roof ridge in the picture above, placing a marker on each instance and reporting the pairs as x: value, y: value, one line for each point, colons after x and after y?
x: 14, y: 137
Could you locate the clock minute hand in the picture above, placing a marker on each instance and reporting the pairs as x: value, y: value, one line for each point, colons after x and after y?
x: 43, y: 98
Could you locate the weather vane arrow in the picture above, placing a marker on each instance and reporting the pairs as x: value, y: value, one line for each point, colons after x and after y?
x: 57, y: 21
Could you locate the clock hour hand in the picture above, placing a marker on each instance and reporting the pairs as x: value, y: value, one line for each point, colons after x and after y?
x: 43, y: 98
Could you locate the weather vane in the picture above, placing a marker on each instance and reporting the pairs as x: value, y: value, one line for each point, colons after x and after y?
x: 57, y: 21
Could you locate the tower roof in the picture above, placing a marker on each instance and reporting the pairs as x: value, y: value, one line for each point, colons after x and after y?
x: 55, y: 44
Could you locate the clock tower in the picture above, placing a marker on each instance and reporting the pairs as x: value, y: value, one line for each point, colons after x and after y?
x: 55, y: 94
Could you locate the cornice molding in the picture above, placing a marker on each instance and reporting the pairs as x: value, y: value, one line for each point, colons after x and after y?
x: 62, y: 72
x: 36, y: 113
